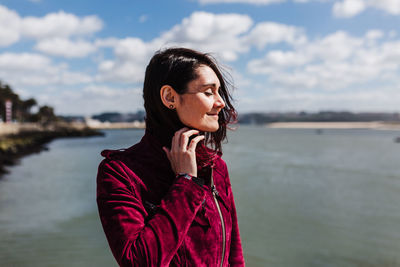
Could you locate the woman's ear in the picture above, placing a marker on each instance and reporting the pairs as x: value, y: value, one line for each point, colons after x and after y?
x: 168, y: 96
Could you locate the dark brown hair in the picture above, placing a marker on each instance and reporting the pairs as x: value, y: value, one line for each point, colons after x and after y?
x: 177, y: 67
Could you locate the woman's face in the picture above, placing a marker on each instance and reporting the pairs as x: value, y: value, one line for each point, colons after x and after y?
x: 199, y: 107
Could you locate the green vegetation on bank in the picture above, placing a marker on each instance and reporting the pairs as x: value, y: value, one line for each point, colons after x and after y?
x: 48, y: 126
x: 12, y: 147
x: 22, y: 109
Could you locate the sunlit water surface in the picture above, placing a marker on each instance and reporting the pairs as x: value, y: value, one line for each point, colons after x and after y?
x: 303, y: 199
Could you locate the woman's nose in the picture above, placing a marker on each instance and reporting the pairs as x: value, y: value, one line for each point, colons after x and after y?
x: 219, y: 102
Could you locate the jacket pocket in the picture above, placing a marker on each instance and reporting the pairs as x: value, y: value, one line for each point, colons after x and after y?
x: 201, y: 218
x: 202, y: 221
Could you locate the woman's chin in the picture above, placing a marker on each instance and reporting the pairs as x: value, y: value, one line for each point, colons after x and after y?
x: 209, y: 129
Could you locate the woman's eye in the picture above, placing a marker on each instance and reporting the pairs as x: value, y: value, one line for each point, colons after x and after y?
x: 208, y: 93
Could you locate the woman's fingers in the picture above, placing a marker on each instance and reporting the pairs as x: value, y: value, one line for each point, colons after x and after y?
x: 180, y: 139
x: 182, y: 154
x: 184, y: 141
x: 194, y: 142
x: 176, y: 139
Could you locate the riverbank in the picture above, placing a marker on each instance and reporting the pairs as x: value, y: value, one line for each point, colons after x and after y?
x: 17, y: 140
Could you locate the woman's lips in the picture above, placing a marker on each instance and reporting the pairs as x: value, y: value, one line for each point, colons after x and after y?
x: 215, y: 115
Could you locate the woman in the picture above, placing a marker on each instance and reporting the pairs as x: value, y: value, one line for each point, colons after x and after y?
x: 167, y: 201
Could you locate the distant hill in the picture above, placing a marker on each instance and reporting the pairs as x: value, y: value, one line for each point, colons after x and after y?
x: 120, y: 117
x: 322, y: 116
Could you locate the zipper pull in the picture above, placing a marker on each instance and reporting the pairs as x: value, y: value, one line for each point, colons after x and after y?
x: 215, y: 191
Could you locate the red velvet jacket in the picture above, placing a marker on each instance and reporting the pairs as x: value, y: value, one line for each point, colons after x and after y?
x: 150, y: 218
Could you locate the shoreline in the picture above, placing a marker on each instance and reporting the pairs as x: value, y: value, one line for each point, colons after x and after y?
x: 21, y: 139
x: 116, y: 125
x: 18, y: 140
x: 374, y: 125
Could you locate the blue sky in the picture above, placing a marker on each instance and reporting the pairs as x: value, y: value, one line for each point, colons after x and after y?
x: 87, y: 57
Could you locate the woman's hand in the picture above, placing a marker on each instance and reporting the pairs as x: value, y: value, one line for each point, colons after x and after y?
x: 182, y: 154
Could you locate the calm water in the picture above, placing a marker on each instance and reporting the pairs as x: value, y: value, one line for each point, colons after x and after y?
x: 303, y: 199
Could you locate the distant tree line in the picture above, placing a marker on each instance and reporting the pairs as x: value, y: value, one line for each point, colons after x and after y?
x: 22, y: 109
x: 322, y: 116
x: 120, y: 117
x: 270, y: 117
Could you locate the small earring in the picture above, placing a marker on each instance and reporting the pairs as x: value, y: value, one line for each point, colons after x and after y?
x: 171, y: 106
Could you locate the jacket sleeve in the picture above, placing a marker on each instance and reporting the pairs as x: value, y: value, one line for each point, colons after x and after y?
x: 236, y: 253
x: 134, y: 240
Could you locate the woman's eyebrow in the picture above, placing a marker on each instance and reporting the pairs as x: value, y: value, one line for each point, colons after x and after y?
x: 209, y: 85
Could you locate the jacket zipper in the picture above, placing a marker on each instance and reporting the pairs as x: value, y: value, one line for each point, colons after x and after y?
x: 215, y: 195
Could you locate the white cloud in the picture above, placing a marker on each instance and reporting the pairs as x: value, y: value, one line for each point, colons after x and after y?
x: 348, y: 8
x: 390, y: 6
x: 121, y: 71
x: 66, y: 48
x: 106, y: 42
x: 341, y: 8
x: 374, y: 34
x: 351, y: 8
x: 334, y: 47
x: 97, y: 98
x: 308, y: 1
x: 360, y: 99
x: 275, y: 60
x: 9, y: 26
x: 334, y: 68
x: 220, y: 34
x: 392, y: 34
x: 23, y: 62
x: 28, y: 69
x: 270, y: 33
x: 60, y: 24
x: 53, y: 25
x: 132, y: 55
x: 335, y: 62
x: 255, y: 2
x: 132, y: 49
x: 69, y: 78
x: 101, y: 90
